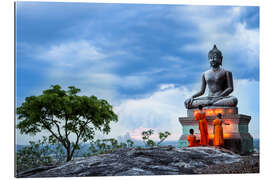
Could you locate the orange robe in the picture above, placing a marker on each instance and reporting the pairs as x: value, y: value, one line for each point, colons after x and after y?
x: 218, y: 136
x: 191, y: 140
x: 201, y: 117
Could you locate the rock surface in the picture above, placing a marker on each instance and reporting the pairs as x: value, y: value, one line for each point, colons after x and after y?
x: 167, y: 160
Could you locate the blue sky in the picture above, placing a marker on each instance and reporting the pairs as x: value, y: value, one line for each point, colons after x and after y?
x: 144, y: 59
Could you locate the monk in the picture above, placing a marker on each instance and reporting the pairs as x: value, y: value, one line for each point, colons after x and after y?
x: 191, y: 139
x: 201, y: 117
x: 218, y: 131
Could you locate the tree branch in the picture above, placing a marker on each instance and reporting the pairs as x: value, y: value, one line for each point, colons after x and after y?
x: 58, y: 128
x: 66, y: 133
x: 49, y: 129
x: 79, y: 135
x: 161, y: 141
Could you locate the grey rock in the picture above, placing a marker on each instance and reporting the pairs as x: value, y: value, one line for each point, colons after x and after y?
x: 134, y: 172
x: 149, y: 161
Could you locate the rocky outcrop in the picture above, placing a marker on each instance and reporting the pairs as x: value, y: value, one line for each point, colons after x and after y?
x: 167, y: 160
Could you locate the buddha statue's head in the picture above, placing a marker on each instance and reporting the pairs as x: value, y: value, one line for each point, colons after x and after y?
x: 215, y: 57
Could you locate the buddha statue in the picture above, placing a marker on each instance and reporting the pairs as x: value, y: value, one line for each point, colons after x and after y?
x: 219, y: 82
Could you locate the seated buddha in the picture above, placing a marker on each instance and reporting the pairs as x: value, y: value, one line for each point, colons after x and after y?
x: 219, y: 82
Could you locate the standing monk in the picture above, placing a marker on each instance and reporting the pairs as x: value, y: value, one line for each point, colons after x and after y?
x: 218, y: 131
x: 201, y: 117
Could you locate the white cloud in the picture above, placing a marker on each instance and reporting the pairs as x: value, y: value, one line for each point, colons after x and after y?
x: 249, y: 40
x: 101, y: 84
x: 166, y: 86
x: 160, y: 112
x: 71, y: 53
x: 106, y: 85
x: 243, y: 42
x: 83, y: 64
x: 224, y: 29
x: 173, y: 59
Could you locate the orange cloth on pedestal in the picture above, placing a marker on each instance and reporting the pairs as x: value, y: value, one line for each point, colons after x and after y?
x: 201, y: 117
x: 218, y: 136
x: 191, y: 140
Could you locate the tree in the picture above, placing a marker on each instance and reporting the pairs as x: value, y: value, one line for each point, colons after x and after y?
x: 146, y: 135
x: 35, y: 155
x: 63, y: 113
x: 130, y: 143
x: 163, y: 136
x: 107, y: 146
x: 148, y: 142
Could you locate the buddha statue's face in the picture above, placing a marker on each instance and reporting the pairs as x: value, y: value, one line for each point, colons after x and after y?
x: 215, y: 60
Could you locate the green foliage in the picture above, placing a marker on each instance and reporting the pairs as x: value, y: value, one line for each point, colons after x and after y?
x: 146, y: 135
x: 130, y: 143
x: 39, y: 154
x: 163, y: 136
x: 63, y: 112
x: 107, y: 146
x: 150, y: 143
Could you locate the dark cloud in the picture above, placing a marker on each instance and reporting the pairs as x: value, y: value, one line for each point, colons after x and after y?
x: 164, y: 44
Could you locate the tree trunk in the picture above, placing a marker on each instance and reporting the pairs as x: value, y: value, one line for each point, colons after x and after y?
x: 69, y: 156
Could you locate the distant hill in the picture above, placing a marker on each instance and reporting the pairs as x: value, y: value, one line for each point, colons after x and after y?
x: 84, y: 147
x: 19, y: 147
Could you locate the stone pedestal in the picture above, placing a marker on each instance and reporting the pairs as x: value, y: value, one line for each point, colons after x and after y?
x: 236, y: 135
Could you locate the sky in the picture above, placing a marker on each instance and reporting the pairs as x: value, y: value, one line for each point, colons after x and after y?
x: 144, y: 59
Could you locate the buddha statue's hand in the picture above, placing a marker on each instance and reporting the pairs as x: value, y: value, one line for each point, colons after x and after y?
x: 189, y: 102
x: 212, y: 101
